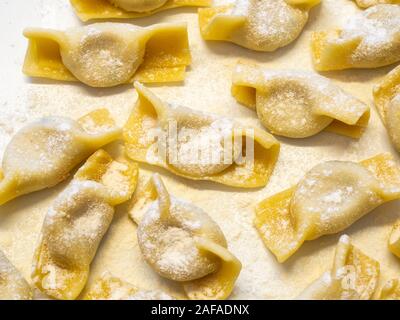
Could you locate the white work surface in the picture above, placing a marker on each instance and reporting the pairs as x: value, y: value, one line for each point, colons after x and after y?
x: 207, y: 88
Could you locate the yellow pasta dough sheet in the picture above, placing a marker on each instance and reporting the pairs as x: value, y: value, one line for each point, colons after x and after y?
x: 207, y: 87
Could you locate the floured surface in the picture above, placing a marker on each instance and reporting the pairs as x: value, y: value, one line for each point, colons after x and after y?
x: 207, y: 87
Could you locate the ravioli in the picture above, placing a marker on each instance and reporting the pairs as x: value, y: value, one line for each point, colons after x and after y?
x: 13, y: 286
x: 387, y: 101
x: 394, y: 239
x: 261, y: 25
x: 370, y: 3
x: 298, y: 104
x: 391, y: 290
x: 108, y: 287
x: 76, y: 223
x: 182, y: 243
x: 54, y: 146
x: 109, y: 54
x: 354, y: 276
x: 370, y: 39
x: 128, y: 9
x: 329, y: 198
x: 197, y: 145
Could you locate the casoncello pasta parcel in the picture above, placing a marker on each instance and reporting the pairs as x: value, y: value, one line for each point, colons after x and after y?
x: 13, y: 286
x: 262, y: 25
x: 387, y: 101
x: 109, y: 54
x: 54, y: 146
x: 127, y: 9
x: 370, y: 39
x: 76, y: 223
x: 197, y: 145
x: 329, y: 198
x: 298, y: 104
x: 182, y: 243
x: 354, y: 276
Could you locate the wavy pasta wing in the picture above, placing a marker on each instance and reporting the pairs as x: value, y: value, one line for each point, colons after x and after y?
x: 262, y: 25
x: 298, y: 104
x: 13, y: 286
x: 109, y: 287
x: 54, y: 146
x: 109, y: 54
x: 391, y: 290
x: 197, y: 145
x: 128, y: 9
x: 76, y: 223
x: 330, y: 197
x: 353, y: 276
x: 370, y: 3
x: 370, y: 39
x: 387, y: 101
x: 182, y: 243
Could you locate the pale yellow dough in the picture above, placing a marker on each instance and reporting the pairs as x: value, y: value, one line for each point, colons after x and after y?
x: 370, y: 3
x: 182, y: 243
x: 369, y: 39
x: 138, y: 5
x: 76, y: 223
x: 329, y: 198
x: 261, y: 25
x: 298, y: 104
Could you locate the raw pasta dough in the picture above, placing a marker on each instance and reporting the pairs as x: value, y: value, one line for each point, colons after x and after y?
x: 370, y: 3
x: 126, y: 9
x: 197, y: 145
x: 262, y: 25
x: 330, y: 197
x: 298, y: 104
x: 182, y: 243
x: 108, y: 287
x: 387, y: 101
x: 391, y: 290
x: 109, y: 54
x: 354, y: 276
x: 76, y: 223
x: 54, y: 146
x: 394, y: 239
x: 13, y: 286
x: 370, y: 39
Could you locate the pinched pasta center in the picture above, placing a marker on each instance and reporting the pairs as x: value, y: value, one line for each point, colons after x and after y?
x: 270, y: 24
x: 76, y: 224
x: 103, y: 55
x: 169, y: 246
x: 204, y: 150
x: 138, y: 5
x: 332, y: 196
x: 287, y: 108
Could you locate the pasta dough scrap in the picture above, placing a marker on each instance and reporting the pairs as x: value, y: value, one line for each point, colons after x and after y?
x: 330, y: 197
x: 261, y: 25
x: 354, y: 276
x: 128, y: 9
x: 76, y: 223
x: 298, y: 104
x: 370, y: 3
x: 370, y: 39
x: 387, y: 101
x: 109, y: 54
x: 13, y: 286
x: 197, y: 145
x: 394, y: 239
x: 182, y: 243
x: 391, y: 290
x: 54, y: 146
x: 108, y: 287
